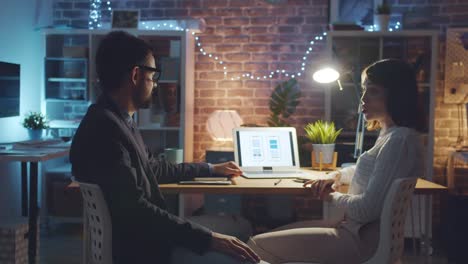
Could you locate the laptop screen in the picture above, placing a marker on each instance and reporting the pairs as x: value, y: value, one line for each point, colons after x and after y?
x: 265, y: 148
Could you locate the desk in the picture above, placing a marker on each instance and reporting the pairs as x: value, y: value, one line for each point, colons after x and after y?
x: 288, y: 186
x: 30, y: 158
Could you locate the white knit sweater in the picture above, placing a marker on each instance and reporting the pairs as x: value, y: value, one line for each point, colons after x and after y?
x: 399, y: 153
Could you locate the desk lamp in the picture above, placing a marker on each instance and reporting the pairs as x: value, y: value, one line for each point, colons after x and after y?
x: 329, y: 75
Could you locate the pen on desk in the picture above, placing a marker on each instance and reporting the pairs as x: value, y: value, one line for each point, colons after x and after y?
x: 277, y: 182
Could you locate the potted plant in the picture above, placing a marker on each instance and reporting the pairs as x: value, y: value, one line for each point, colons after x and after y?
x: 35, y: 123
x: 382, y: 17
x: 322, y: 136
x: 283, y: 102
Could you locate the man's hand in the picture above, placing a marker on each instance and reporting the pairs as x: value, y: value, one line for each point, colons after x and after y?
x: 233, y: 247
x: 228, y: 169
x: 321, y: 188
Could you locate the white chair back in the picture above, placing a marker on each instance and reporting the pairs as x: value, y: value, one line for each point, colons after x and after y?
x: 97, y: 226
x: 392, y: 222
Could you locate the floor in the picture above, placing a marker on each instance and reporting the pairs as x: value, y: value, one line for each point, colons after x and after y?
x: 62, y: 244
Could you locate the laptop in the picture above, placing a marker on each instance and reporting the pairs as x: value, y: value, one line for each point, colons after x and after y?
x: 267, y: 152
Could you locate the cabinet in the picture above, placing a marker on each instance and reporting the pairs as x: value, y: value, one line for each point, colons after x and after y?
x: 354, y: 50
x: 71, y: 84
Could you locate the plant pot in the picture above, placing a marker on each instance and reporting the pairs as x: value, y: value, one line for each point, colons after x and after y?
x: 381, y: 22
x: 327, y: 152
x: 35, y: 134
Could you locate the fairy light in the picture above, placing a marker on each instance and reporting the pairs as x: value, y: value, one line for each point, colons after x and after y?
x: 95, y: 15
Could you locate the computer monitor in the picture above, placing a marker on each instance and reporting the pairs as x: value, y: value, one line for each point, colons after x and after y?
x: 9, y: 89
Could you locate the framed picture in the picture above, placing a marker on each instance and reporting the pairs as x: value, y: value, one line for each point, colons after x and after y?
x: 359, y: 12
x: 125, y: 18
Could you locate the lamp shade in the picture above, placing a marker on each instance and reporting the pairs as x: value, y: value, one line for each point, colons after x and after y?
x: 326, y: 75
x: 220, y: 124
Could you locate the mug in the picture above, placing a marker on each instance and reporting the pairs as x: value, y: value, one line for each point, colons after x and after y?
x: 173, y: 155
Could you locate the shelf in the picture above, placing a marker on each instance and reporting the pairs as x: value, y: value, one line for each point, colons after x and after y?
x: 66, y: 59
x: 57, y: 100
x: 57, y: 79
x: 64, y: 123
x: 158, y: 128
x: 9, y: 78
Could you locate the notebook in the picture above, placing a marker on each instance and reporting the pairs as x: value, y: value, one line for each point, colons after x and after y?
x: 267, y: 152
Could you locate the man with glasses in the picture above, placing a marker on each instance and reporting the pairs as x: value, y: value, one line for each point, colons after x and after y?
x: 108, y: 150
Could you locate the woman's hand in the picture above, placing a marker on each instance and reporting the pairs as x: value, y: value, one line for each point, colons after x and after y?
x: 233, y: 247
x: 321, y: 188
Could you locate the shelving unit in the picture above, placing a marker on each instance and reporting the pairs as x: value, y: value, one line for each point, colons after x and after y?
x: 71, y: 84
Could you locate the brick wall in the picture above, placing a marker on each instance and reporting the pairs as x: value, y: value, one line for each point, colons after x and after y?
x: 250, y: 37
x: 254, y: 36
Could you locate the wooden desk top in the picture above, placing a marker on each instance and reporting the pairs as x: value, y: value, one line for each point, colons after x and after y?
x: 34, y: 154
x: 242, y: 185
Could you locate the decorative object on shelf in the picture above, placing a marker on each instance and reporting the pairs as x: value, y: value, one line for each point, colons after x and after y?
x: 220, y: 124
x: 125, y: 18
x: 456, y: 66
x: 323, y: 136
x: 95, y: 7
x: 382, y: 17
x: 283, y: 102
x: 35, y: 123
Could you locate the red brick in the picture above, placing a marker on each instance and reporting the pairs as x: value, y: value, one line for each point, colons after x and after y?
x: 231, y: 66
x: 283, y: 11
x: 208, y: 110
x: 261, y: 92
x: 230, y: 84
x: 236, y: 21
x: 240, y: 3
x: 264, y: 57
x: 310, y: 11
x: 240, y: 92
x: 210, y: 39
x: 237, y: 39
x: 311, y: 29
x: 231, y: 11
x: 201, y: 12
x: 215, y: 3
x: 212, y: 93
x: 214, y: 20
x: 282, y: 47
x: 289, y: 67
x: 211, y: 75
x: 293, y: 38
x: 228, y: 102
x: 262, y: 111
x: 244, y: 111
x: 263, y: 21
x: 204, y: 66
x: 256, y: 102
x: 316, y: 20
x: 256, y: 30
x: 291, y: 20
x: 252, y: 66
x: 291, y: 57
x: 228, y: 31
x: 163, y: 4
x: 189, y: 4
x: 259, y: 85
x: 253, y: 12
x: 255, y: 48
x: 204, y: 102
x: 228, y: 48
x: 201, y: 84
x: 265, y: 38
x: 237, y: 56
x: 288, y: 29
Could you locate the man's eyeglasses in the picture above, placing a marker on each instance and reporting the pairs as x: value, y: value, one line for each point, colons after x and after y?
x: 157, y: 72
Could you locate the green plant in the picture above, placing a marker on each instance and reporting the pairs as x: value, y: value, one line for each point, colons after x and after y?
x: 283, y: 103
x: 322, y: 132
x: 35, y: 120
x: 383, y: 9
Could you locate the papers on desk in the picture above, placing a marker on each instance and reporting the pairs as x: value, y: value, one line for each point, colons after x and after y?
x: 43, y: 143
x: 206, y: 182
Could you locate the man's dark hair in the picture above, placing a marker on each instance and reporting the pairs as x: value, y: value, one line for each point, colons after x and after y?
x: 117, y: 54
x: 398, y: 79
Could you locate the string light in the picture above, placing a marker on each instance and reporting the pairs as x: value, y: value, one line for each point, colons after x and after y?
x: 94, y: 20
x: 396, y: 27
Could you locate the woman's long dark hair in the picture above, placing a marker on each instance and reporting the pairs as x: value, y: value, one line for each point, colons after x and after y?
x: 398, y: 79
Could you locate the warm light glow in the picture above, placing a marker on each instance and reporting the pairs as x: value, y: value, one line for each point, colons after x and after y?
x: 220, y: 124
x: 326, y: 75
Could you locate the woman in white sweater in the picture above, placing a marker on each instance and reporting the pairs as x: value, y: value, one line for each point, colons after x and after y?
x: 389, y: 103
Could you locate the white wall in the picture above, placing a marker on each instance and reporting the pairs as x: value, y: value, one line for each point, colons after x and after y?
x: 19, y: 43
